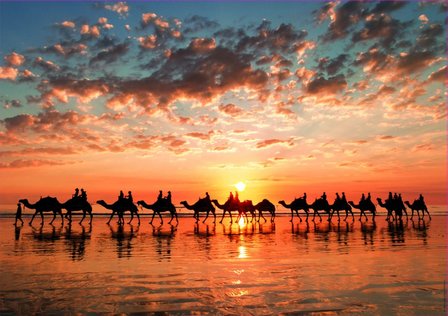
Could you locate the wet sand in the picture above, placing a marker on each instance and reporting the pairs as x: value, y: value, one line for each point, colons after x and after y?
x: 259, y: 269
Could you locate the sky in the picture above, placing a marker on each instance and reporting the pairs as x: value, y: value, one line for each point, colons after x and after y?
x: 192, y: 97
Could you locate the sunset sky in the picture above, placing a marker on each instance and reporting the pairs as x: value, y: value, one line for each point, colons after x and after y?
x: 194, y: 97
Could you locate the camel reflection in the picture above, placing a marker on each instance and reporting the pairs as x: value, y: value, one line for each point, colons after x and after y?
x: 396, y: 230
x: 75, y: 241
x: 204, y: 230
x: 368, y: 232
x: 124, y: 239
x: 164, y: 235
x: 46, y: 238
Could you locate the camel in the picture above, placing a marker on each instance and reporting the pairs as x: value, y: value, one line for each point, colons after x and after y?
x: 77, y: 204
x: 340, y: 205
x: 321, y: 205
x: 246, y: 207
x: 46, y: 204
x: 295, y: 206
x: 391, y: 207
x: 418, y: 206
x: 201, y: 206
x: 161, y: 205
x: 229, y: 206
x: 120, y: 206
x: 265, y: 206
x: 363, y: 206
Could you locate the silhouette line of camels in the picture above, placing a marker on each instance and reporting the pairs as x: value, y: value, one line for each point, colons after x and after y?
x: 394, y: 206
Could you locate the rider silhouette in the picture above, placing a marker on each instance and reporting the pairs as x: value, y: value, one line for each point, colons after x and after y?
x: 207, y: 197
x: 83, y: 195
x: 363, y: 198
x: 338, y: 198
x: 75, y: 195
x: 304, y: 196
x: 121, y: 196
x: 343, y: 198
x: 421, y: 198
x: 160, y: 195
x: 130, y: 198
x: 168, y: 197
x: 369, y: 197
x: 236, y: 197
x: 324, y: 196
x: 230, y: 197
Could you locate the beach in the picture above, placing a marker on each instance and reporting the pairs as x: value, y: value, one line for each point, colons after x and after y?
x: 313, y: 268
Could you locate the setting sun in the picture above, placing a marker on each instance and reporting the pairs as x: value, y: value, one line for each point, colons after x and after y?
x: 240, y: 186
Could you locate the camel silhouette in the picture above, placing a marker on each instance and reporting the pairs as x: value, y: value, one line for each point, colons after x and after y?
x: 391, y: 207
x: 265, y: 206
x: 363, y: 206
x: 229, y: 206
x: 295, y: 206
x: 340, y: 205
x: 161, y: 205
x: 46, y: 204
x: 77, y: 204
x: 418, y: 206
x: 119, y: 207
x: 246, y: 207
x: 321, y: 205
x: 201, y: 206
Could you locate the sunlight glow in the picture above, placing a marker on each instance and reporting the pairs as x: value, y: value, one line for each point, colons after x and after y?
x: 241, y: 222
x: 240, y: 186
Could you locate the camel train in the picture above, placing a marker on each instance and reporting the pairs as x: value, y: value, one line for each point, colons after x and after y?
x: 394, y: 205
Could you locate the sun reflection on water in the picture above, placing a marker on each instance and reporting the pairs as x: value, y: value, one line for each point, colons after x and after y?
x: 242, y: 252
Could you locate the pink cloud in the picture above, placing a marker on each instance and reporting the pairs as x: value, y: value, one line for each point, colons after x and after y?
x: 328, y: 86
x: 68, y: 24
x: 148, y: 42
x: 8, y: 73
x: 231, y: 110
x: 120, y: 7
x: 92, y: 31
x: 202, y: 45
x: 14, y: 59
x: 271, y: 142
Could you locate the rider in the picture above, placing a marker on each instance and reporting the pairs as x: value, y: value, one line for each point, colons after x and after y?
x: 75, y: 195
x: 130, y: 198
x: 236, y: 197
x: 207, y: 196
x: 324, y: 196
x: 389, y: 198
x: 304, y: 196
x: 369, y: 198
x: 230, y: 197
x: 121, y: 196
x: 160, y: 196
x: 83, y: 194
x: 168, y: 197
x: 343, y: 198
x: 421, y: 198
x: 363, y: 198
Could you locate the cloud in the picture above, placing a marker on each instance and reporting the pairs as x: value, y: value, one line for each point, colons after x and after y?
x: 273, y: 141
x: 439, y: 75
x: 423, y: 18
x: 343, y: 19
x: 329, y: 86
x: 203, y: 136
x: 148, y: 42
x: 46, y: 65
x: 388, y: 6
x: 198, y: 23
x: 27, y: 163
x: 202, y: 45
x: 67, y: 24
x: 8, y: 73
x: 110, y: 54
x: 332, y: 66
x: 120, y: 7
x: 14, y: 59
x: 155, y: 20
x: 231, y: 110
x: 90, y: 31
x: 282, y: 39
x: 12, y: 104
x: 68, y: 50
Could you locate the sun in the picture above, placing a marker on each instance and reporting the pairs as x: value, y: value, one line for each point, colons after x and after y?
x: 240, y: 186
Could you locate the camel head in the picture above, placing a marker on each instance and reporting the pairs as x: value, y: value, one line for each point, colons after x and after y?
x: 100, y: 202
x: 23, y: 201
x: 281, y: 202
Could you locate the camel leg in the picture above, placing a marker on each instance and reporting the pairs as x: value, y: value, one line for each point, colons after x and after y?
x: 172, y: 216
x: 161, y: 219
x: 206, y: 216
x: 91, y: 217
x: 214, y: 217
x: 261, y: 214
x: 320, y: 218
x: 110, y: 218
x: 153, y: 214
x: 298, y: 215
x: 426, y: 210
x: 62, y: 216
x: 32, y: 218
x: 54, y: 217
x: 138, y: 217
x: 132, y: 217
x: 223, y: 214
x: 231, y: 220
x: 346, y: 215
x: 83, y: 216
x: 292, y: 215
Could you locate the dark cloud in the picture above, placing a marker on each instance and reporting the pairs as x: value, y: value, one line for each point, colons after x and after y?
x: 110, y: 54
x: 198, y: 23
x: 281, y: 39
x: 12, y: 104
x: 46, y: 65
x: 346, y: 16
x: 430, y: 36
x: 231, y: 110
x: 324, y: 86
x: 388, y: 6
x: 380, y: 27
x: 439, y: 75
x: 332, y: 66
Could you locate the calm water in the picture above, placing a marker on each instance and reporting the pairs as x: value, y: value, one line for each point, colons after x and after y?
x: 350, y: 268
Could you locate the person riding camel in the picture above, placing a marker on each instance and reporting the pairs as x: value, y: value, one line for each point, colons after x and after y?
x: 75, y: 195
x: 343, y: 198
x: 207, y: 197
x: 237, y: 200
x: 389, y: 198
x: 129, y: 197
x: 121, y: 196
x: 369, y: 198
x: 159, y: 198
x: 230, y: 197
x: 324, y: 196
x: 304, y: 196
x: 168, y: 197
x: 363, y: 198
x: 422, y: 199
x: 83, y: 195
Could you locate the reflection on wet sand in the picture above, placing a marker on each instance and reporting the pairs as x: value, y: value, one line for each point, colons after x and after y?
x: 261, y: 268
